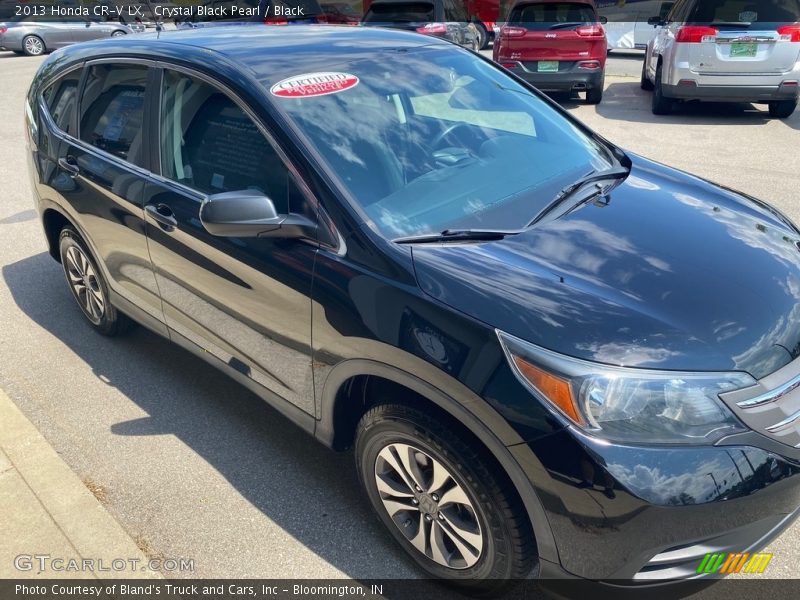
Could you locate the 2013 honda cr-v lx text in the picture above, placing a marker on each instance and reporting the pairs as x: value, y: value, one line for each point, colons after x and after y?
x: 545, y: 352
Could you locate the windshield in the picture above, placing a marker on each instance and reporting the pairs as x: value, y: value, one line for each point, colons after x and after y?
x: 745, y: 12
x: 434, y: 138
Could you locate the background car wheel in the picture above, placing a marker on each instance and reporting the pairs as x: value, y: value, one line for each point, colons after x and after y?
x: 88, y: 286
x: 645, y: 83
x: 443, y: 500
x: 661, y: 104
x: 32, y: 45
x: 118, y: 34
x: 595, y: 95
x: 783, y: 109
x: 483, y: 36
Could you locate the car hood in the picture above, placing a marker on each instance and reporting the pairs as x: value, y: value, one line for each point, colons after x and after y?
x: 674, y: 273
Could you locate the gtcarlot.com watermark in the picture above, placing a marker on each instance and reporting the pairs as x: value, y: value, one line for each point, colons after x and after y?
x: 45, y: 563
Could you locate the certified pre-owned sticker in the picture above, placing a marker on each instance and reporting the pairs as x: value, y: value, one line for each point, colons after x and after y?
x: 314, y: 84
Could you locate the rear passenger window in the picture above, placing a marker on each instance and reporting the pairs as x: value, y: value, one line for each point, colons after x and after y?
x: 210, y: 144
x: 60, y: 98
x: 112, y: 110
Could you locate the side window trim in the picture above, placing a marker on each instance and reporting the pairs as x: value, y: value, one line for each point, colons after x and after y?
x: 149, y: 64
x: 303, y: 187
x: 44, y: 109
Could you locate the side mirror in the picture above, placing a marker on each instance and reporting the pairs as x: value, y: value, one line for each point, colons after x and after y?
x: 249, y: 213
x: 604, y: 20
x: 655, y: 21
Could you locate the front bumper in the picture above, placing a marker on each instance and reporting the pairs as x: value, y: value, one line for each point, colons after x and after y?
x: 730, y: 93
x: 570, y: 76
x: 648, y: 515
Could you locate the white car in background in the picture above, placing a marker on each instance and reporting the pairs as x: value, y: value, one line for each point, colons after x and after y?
x: 726, y: 51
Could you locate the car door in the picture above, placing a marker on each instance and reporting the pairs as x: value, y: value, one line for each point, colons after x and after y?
x: 104, y: 167
x: 247, y: 302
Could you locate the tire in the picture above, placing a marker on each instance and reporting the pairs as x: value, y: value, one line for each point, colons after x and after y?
x: 645, y: 83
x: 118, y: 33
x: 88, y: 286
x: 782, y: 109
x: 33, y: 45
x: 467, y: 496
x: 483, y: 36
x: 661, y: 104
x: 595, y: 94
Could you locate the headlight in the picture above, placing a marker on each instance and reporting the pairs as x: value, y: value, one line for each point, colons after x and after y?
x: 628, y: 405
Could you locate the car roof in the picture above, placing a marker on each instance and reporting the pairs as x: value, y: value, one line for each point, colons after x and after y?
x: 267, y: 52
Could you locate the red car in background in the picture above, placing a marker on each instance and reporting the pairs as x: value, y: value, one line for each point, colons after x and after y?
x: 557, y: 45
x: 340, y: 13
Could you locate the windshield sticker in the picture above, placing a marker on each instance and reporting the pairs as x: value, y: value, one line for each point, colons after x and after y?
x: 314, y: 84
x: 748, y: 16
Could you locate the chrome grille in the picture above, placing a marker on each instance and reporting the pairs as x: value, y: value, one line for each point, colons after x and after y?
x: 773, y: 406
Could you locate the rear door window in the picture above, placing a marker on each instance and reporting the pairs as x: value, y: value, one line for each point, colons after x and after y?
x: 552, y: 15
x: 61, y: 98
x: 112, y: 110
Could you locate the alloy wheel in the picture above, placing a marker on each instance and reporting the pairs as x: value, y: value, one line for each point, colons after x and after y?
x: 429, y: 506
x: 33, y: 45
x: 85, y: 284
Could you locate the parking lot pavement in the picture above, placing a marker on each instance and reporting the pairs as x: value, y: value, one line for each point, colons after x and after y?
x: 195, y: 466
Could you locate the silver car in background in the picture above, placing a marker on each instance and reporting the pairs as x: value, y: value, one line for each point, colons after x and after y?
x: 726, y: 51
x: 35, y: 35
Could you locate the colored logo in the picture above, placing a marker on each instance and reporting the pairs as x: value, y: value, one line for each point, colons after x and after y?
x: 734, y: 562
x: 314, y: 84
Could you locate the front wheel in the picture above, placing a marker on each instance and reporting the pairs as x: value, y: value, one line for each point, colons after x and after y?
x: 782, y: 109
x: 443, y: 500
x: 118, y: 33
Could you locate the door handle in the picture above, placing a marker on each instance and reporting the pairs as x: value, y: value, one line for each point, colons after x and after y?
x: 163, y: 215
x: 69, y: 165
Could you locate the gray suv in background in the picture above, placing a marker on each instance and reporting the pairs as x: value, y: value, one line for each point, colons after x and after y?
x: 35, y: 35
x: 726, y: 51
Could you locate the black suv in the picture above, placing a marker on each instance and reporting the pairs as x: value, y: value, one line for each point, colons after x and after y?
x: 545, y: 351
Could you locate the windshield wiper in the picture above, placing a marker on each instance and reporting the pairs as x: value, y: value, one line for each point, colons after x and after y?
x: 565, y: 194
x: 569, y: 24
x: 457, y: 235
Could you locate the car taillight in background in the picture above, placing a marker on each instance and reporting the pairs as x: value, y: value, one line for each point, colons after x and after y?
x: 433, y: 28
x: 512, y: 32
x: 694, y: 34
x: 3, y: 29
x: 276, y: 21
x: 790, y: 32
x: 591, y: 31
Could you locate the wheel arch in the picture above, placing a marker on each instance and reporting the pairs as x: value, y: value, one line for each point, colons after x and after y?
x: 53, y: 221
x: 343, y: 403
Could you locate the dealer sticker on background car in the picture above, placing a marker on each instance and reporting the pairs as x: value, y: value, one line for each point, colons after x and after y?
x: 314, y: 84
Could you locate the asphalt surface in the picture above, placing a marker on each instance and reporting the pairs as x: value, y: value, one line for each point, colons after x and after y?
x: 194, y: 466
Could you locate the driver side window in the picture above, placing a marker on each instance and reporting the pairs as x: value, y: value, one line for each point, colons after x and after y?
x: 210, y: 144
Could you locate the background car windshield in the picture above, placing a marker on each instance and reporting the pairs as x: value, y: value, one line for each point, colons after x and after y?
x: 436, y: 138
x: 745, y: 12
x: 551, y: 15
x: 399, y: 12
